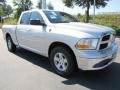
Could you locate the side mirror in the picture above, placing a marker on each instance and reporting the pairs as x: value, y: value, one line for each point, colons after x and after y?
x: 37, y: 22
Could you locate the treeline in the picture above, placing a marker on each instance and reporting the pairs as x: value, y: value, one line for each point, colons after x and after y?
x: 19, y: 6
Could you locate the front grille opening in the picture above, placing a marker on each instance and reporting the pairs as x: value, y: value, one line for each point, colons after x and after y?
x: 102, y: 63
x: 103, y: 46
x: 106, y: 38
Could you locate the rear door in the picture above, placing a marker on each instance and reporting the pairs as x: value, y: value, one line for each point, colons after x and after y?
x: 31, y: 36
x: 23, y: 29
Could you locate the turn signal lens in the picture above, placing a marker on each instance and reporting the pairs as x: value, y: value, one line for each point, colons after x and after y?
x: 87, y: 44
x: 82, y: 46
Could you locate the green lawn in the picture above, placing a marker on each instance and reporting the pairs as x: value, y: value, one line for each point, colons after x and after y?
x: 110, y: 20
x: 10, y: 21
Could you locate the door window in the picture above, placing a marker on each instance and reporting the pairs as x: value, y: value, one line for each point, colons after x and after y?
x: 36, y: 16
x: 25, y: 18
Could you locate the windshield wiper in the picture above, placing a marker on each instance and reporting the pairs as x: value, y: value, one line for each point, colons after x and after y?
x: 65, y: 22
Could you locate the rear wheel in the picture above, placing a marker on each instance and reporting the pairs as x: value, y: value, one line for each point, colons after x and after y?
x: 10, y: 45
x: 62, y: 61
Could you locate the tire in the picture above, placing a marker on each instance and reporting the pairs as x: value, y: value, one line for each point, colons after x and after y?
x: 10, y: 45
x: 62, y: 61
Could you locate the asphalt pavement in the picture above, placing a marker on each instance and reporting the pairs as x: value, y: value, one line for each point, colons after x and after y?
x: 25, y: 70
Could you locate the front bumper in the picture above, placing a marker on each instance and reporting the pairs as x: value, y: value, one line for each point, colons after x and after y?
x: 96, y: 59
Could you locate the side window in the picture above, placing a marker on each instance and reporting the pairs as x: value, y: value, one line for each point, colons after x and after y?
x: 36, y: 16
x: 25, y: 18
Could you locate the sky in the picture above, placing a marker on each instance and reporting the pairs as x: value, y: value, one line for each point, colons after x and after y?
x: 113, y: 6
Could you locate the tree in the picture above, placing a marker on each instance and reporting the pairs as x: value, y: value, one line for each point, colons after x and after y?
x: 2, y: 10
x: 2, y: 7
x: 5, y: 10
x: 2, y: 1
x: 79, y: 15
x: 86, y: 4
x: 22, y: 5
x: 9, y: 9
x: 39, y: 5
x: 50, y: 6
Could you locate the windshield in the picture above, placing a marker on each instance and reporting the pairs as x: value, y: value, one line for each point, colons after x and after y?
x: 59, y: 17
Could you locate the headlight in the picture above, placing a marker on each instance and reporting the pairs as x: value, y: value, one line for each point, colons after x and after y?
x: 87, y: 44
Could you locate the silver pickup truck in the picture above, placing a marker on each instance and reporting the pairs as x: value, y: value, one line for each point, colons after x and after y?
x: 67, y: 42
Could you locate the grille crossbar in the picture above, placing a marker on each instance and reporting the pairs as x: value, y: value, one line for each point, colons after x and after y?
x: 106, y: 40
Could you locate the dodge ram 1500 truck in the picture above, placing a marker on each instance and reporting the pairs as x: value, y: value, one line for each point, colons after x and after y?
x: 67, y: 42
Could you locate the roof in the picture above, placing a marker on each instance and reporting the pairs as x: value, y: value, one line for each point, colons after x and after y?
x: 39, y: 10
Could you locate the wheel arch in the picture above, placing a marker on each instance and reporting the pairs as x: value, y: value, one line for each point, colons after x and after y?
x: 7, y: 35
x: 55, y: 44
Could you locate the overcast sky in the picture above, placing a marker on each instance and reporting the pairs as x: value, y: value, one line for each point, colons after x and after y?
x: 113, y: 6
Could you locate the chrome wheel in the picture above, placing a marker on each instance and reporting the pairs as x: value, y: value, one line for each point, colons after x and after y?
x: 61, y: 62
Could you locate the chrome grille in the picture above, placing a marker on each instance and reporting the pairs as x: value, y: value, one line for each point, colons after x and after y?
x: 106, y: 40
x: 103, y: 46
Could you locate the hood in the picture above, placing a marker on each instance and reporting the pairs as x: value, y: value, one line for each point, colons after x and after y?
x: 90, y: 29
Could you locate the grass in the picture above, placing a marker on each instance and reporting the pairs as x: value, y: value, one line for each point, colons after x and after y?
x: 110, y: 20
x: 10, y: 21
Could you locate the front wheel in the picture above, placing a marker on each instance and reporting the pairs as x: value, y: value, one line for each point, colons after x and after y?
x: 62, y: 61
x: 10, y: 45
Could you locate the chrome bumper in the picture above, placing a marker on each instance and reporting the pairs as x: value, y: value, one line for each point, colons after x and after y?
x: 95, y: 60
